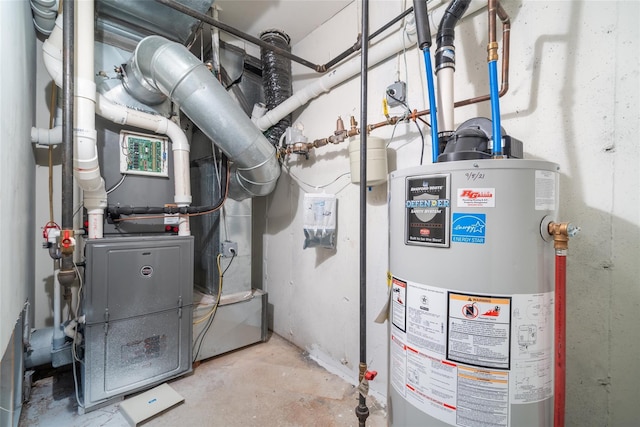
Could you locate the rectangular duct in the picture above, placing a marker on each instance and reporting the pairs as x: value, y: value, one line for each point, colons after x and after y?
x: 124, y: 23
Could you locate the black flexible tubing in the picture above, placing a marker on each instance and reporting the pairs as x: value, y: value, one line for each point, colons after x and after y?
x: 446, y: 32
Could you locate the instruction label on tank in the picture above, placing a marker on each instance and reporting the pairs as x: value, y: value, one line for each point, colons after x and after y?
x: 483, y: 397
x: 532, y: 347
x: 545, y: 190
x: 427, y: 207
x: 479, y: 332
x: 399, y: 304
x: 476, y: 197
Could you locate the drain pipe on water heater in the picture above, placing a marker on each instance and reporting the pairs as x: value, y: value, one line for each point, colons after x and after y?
x: 561, y: 233
x: 362, y: 411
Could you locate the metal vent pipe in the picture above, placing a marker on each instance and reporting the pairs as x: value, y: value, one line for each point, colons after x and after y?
x: 173, y: 70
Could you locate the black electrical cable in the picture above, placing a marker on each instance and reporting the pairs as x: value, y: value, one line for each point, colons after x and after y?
x: 417, y: 125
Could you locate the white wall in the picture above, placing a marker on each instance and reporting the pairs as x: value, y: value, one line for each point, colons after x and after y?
x: 573, y: 100
x: 17, y: 50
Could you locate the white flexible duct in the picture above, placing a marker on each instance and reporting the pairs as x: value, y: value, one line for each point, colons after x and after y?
x: 172, y: 70
x: 44, y: 15
x: 52, y: 49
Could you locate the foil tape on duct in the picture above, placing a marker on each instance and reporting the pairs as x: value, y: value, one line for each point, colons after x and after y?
x: 276, y: 79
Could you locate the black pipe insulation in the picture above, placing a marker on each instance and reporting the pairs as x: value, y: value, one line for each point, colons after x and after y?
x: 422, y: 24
x: 362, y: 411
x: 115, y: 212
x: 445, y: 51
x: 276, y: 79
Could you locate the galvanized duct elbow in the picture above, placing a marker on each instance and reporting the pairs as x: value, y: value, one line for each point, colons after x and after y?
x: 170, y: 68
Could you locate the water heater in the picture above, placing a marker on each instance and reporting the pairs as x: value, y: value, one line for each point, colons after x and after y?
x: 471, y: 317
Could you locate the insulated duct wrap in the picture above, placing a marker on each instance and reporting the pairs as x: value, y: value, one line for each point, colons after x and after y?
x: 174, y: 71
x: 276, y: 79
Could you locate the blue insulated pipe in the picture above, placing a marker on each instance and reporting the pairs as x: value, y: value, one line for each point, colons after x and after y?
x: 495, y: 108
x: 424, y: 43
x: 435, y: 149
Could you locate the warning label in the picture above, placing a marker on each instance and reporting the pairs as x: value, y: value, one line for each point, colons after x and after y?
x: 399, y: 304
x: 479, y: 331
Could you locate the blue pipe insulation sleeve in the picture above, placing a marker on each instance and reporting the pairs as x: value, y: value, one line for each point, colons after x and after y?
x: 495, y: 108
x: 435, y: 149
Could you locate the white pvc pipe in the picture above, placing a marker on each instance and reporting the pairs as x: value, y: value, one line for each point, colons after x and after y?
x: 445, y: 98
x: 125, y: 116
x: 85, y: 159
x: 52, y: 49
x: 45, y: 136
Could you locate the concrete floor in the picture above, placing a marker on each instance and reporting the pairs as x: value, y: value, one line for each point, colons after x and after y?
x: 266, y: 384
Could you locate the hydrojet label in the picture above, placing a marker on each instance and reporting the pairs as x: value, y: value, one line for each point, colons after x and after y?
x: 468, y: 228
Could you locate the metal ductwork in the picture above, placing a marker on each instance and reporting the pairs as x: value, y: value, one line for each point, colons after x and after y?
x: 170, y: 68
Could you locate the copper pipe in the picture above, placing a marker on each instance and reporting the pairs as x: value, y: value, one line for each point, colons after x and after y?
x: 504, y: 85
x: 492, y: 10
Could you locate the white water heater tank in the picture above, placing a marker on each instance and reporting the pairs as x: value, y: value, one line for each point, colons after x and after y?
x: 471, y: 316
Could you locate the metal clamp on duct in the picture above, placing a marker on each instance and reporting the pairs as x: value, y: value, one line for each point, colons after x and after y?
x: 168, y: 67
